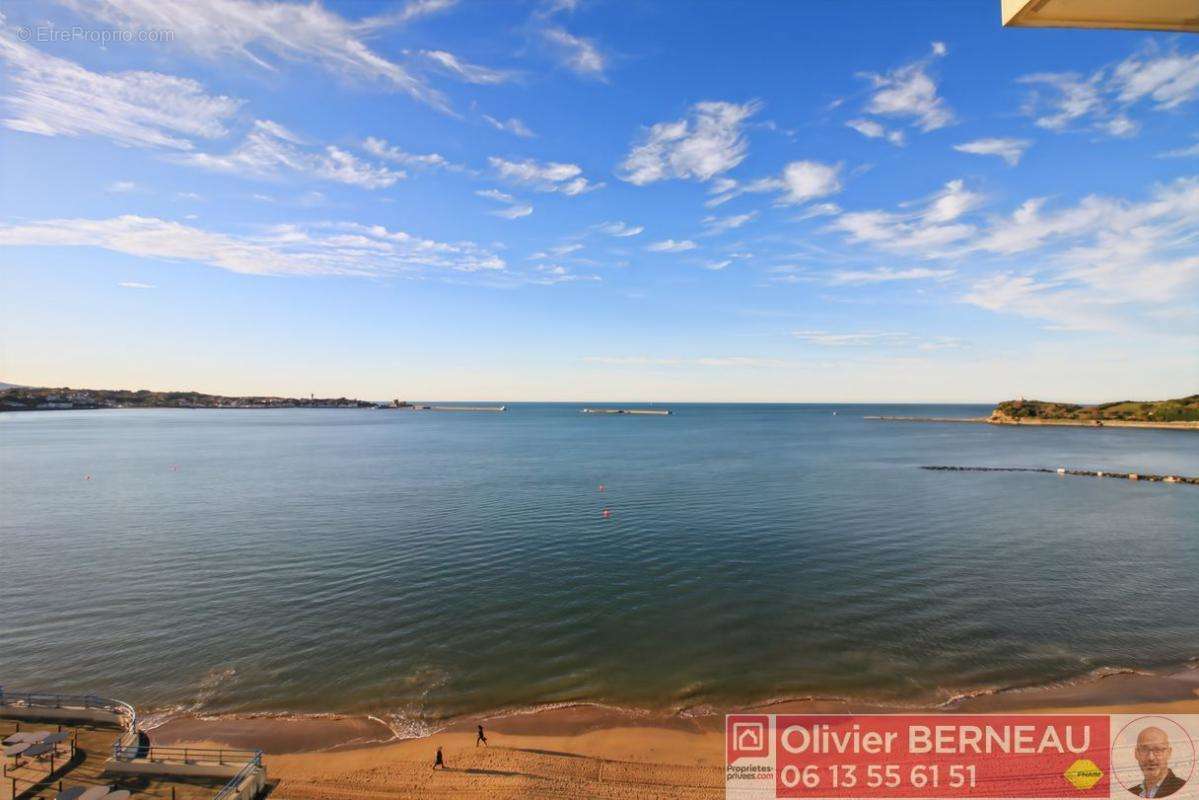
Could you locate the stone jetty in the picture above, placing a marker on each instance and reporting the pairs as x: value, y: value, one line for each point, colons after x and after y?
x: 928, y: 419
x: 651, y: 412
x: 1088, y: 473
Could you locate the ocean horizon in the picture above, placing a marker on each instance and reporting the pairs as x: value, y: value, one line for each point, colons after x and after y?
x: 426, y: 567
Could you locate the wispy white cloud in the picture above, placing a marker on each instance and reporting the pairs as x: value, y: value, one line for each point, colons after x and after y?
x: 1076, y: 97
x: 512, y: 212
x: 512, y: 125
x: 1182, y: 152
x: 552, y: 7
x: 885, y: 274
x: 1050, y: 301
x: 316, y: 249
x: 872, y: 129
x: 807, y: 180
x: 885, y: 340
x: 578, y: 54
x: 818, y: 210
x: 135, y: 285
x: 515, y: 210
x: 470, y: 73
x: 620, y: 229
x: 1010, y: 150
x: 800, y: 182
x: 1120, y: 126
x: 717, y: 225
x: 671, y: 246
x: 404, y: 13
x: 951, y: 202
x: 262, y: 32
x: 547, y: 176
x: 551, y: 274
x: 496, y: 194
x: 706, y: 143
x: 557, y: 252
x: 1166, y: 79
x: 269, y: 149
x: 790, y: 273
x: 1171, y: 213
x: 1104, y: 100
x: 856, y: 339
x: 121, y: 187
x: 1101, y: 264
x: 927, y: 230
x: 380, y: 148
x: 52, y: 96
x: 909, y: 91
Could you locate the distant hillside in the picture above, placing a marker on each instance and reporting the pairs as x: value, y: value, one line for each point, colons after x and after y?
x: 1183, y: 409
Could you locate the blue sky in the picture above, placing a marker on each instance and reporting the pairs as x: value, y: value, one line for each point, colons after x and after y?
x: 596, y: 200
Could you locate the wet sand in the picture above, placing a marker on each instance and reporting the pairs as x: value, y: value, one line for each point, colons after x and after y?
x: 590, y: 751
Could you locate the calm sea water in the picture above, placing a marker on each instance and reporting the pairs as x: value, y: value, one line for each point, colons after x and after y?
x: 429, y: 565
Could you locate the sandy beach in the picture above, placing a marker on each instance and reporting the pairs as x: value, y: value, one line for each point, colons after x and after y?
x: 590, y: 751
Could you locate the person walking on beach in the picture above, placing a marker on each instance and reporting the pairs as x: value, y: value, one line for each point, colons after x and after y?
x: 481, y: 738
x: 438, y: 761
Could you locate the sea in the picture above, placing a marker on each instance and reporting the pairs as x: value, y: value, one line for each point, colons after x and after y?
x: 426, y: 566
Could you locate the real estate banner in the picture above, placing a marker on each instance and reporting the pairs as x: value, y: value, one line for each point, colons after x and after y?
x: 883, y: 756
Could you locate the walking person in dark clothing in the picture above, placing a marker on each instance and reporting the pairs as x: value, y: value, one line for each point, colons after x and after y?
x: 439, y: 761
x: 481, y: 738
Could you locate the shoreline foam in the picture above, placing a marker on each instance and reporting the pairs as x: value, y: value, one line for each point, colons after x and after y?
x: 582, y: 750
x: 279, y: 732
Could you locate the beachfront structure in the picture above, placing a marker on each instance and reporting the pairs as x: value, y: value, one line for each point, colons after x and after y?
x: 103, y: 751
x: 1151, y: 15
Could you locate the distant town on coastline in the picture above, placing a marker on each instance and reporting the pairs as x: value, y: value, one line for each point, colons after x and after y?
x: 28, y: 398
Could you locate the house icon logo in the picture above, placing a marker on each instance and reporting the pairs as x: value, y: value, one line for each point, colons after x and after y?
x: 746, y: 736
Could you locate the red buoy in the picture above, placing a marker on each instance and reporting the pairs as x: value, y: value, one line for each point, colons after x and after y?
x: 601, y: 487
x: 607, y: 513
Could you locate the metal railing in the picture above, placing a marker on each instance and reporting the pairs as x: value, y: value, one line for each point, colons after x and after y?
x: 187, y: 755
x: 230, y: 788
x: 251, y: 760
x: 59, y: 700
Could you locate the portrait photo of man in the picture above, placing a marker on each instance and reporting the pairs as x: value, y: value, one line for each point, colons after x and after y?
x: 1153, y: 752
